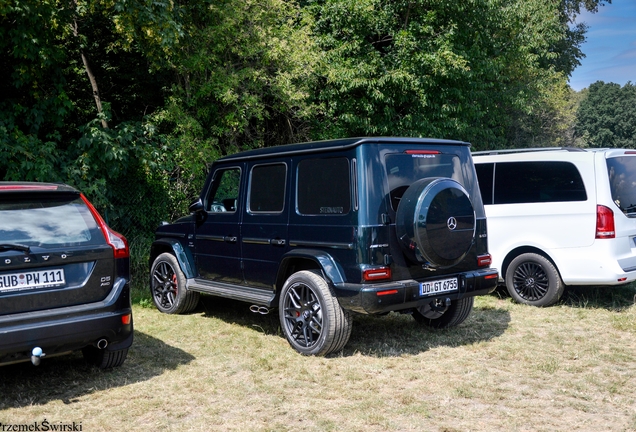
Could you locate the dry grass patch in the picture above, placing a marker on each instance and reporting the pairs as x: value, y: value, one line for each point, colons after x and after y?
x: 508, y: 367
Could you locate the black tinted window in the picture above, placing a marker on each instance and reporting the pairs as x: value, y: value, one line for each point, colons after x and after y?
x: 532, y: 182
x: 223, y: 196
x: 622, y: 178
x: 403, y: 169
x: 48, y: 222
x: 323, y: 186
x: 484, y: 175
x: 267, y: 188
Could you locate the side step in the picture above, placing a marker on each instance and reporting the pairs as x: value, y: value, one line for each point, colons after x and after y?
x: 256, y: 296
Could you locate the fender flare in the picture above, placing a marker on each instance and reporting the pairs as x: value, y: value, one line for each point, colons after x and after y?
x: 332, y: 270
x: 183, y: 255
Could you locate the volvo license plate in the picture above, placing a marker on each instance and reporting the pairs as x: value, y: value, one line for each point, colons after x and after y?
x: 33, y: 279
x: 438, y: 286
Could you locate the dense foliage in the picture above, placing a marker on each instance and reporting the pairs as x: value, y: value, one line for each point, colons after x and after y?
x: 607, y: 116
x: 129, y: 100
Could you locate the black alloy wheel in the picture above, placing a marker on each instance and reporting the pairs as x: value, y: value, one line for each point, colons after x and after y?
x: 532, y: 279
x: 168, y: 286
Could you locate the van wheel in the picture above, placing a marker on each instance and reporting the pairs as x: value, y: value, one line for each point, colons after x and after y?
x: 312, y: 320
x: 532, y: 279
x: 437, y: 316
x: 168, y: 286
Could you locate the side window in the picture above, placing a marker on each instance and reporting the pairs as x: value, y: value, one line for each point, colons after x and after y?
x: 484, y: 176
x: 267, y: 188
x: 223, y: 196
x: 534, y: 182
x: 323, y: 186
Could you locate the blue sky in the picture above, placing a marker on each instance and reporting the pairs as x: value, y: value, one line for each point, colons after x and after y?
x: 610, y: 46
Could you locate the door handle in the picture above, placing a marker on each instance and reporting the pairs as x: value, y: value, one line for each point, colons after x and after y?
x: 277, y: 242
x: 229, y: 239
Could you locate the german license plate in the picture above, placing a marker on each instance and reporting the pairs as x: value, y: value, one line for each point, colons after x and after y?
x: 438, y: 286
x: 33, y: 279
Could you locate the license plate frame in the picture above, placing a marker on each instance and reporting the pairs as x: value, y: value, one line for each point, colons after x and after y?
x: 439, y: 286
x: 29, y: 280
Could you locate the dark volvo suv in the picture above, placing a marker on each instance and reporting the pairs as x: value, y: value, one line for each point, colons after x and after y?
x: 64, y: 278
x: 322, y: 230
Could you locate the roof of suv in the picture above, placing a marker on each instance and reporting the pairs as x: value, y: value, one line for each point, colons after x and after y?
x: 337, y: 144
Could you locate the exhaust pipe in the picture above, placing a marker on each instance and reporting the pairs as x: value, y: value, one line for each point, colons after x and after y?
x: 260, y: 309
x: 36, y: 355
x: 101, y: 344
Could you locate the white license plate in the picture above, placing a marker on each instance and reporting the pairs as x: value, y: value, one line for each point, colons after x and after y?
x: 33, y: 279
x: 438, y: 286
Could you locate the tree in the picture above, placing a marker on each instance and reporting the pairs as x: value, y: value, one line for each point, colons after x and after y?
x: 607, y: 116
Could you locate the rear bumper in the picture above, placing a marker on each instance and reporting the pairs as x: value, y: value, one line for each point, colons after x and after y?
x: 67, y: 329
x: 405, y: 294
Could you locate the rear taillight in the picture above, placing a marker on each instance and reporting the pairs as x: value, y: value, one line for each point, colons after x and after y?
x: 604, y: 223
x: 484, y: 260
x: 117, y: 241
x: 376, y: 274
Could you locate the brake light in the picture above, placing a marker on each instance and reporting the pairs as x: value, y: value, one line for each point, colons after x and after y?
x: 416, y: 152
x: 379, y: 273
x: 125, y: 319
x: 117, y: 241
x: 484, y: 260
x: 604, y: 223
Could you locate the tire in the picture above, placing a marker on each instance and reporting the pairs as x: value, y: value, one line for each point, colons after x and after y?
x: 312, y: 320
x: 103, y: 358
x: 436, y: 222
x: 434, y: 316
x: 168, y: 286
x: 533, y: 280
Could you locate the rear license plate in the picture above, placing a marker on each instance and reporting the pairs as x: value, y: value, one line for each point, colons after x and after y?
x: 31, y: 280
x: 438, y: 286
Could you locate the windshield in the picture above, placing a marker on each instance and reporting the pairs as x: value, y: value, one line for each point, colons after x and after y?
x: 622, y: 178
x: 47, y: 222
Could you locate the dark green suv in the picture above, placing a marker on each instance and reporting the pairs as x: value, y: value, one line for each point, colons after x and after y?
x: 325, y: 229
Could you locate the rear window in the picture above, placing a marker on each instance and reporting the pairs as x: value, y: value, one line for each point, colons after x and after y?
x: 50, y: 221
x: 622, y: 178
x: 404, y: 169
x: 536, y: 182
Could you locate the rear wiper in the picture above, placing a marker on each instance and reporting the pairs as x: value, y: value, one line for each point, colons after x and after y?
x: 15, y: 246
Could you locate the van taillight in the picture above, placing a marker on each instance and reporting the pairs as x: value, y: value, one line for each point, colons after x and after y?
x: 117, y: 241
x: 604, y: 222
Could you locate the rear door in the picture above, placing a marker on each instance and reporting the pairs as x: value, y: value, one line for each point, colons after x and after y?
x: 52, y: 253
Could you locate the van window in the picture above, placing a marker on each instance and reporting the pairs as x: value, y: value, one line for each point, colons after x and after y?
x: 267, y: 188
x: 622, y: 178
x: 485, y: 177
x: 324, y: 187
x: 534, y: 182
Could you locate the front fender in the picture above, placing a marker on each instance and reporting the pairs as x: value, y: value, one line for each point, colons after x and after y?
x: 183, y: 255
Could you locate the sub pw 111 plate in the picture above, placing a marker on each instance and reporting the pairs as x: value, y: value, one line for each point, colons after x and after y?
x: 32, y: 279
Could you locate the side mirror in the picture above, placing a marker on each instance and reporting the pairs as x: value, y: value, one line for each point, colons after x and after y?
x: 197, y: 206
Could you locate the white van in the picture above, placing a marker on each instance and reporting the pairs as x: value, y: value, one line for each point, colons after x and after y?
x: 559, y: 216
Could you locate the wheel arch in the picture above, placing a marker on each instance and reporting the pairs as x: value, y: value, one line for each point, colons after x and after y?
x: 308, y: 259
x: 520, y: 251
x: 183, y: 255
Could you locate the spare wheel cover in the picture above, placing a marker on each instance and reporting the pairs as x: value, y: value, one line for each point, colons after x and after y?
x: 435, y: 216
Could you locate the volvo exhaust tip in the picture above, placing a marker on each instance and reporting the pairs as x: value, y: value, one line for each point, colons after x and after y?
x: 102, y: 344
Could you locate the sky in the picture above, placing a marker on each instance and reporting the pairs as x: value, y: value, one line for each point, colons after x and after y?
x: 610, y: 47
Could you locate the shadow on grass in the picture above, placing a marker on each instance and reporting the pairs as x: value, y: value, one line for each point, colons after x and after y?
x: 69, y: 377
x: 611, y: 298
x: 379, y: 336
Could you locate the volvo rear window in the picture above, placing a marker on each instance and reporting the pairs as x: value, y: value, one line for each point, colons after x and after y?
x: 51, y: 221
x: 622, y: 178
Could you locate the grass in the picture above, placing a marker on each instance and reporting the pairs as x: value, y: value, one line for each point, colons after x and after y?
x: 508, y: 367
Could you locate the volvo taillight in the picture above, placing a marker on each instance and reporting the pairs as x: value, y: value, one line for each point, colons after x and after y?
x: 604, y: 222
x: 117, y: 241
